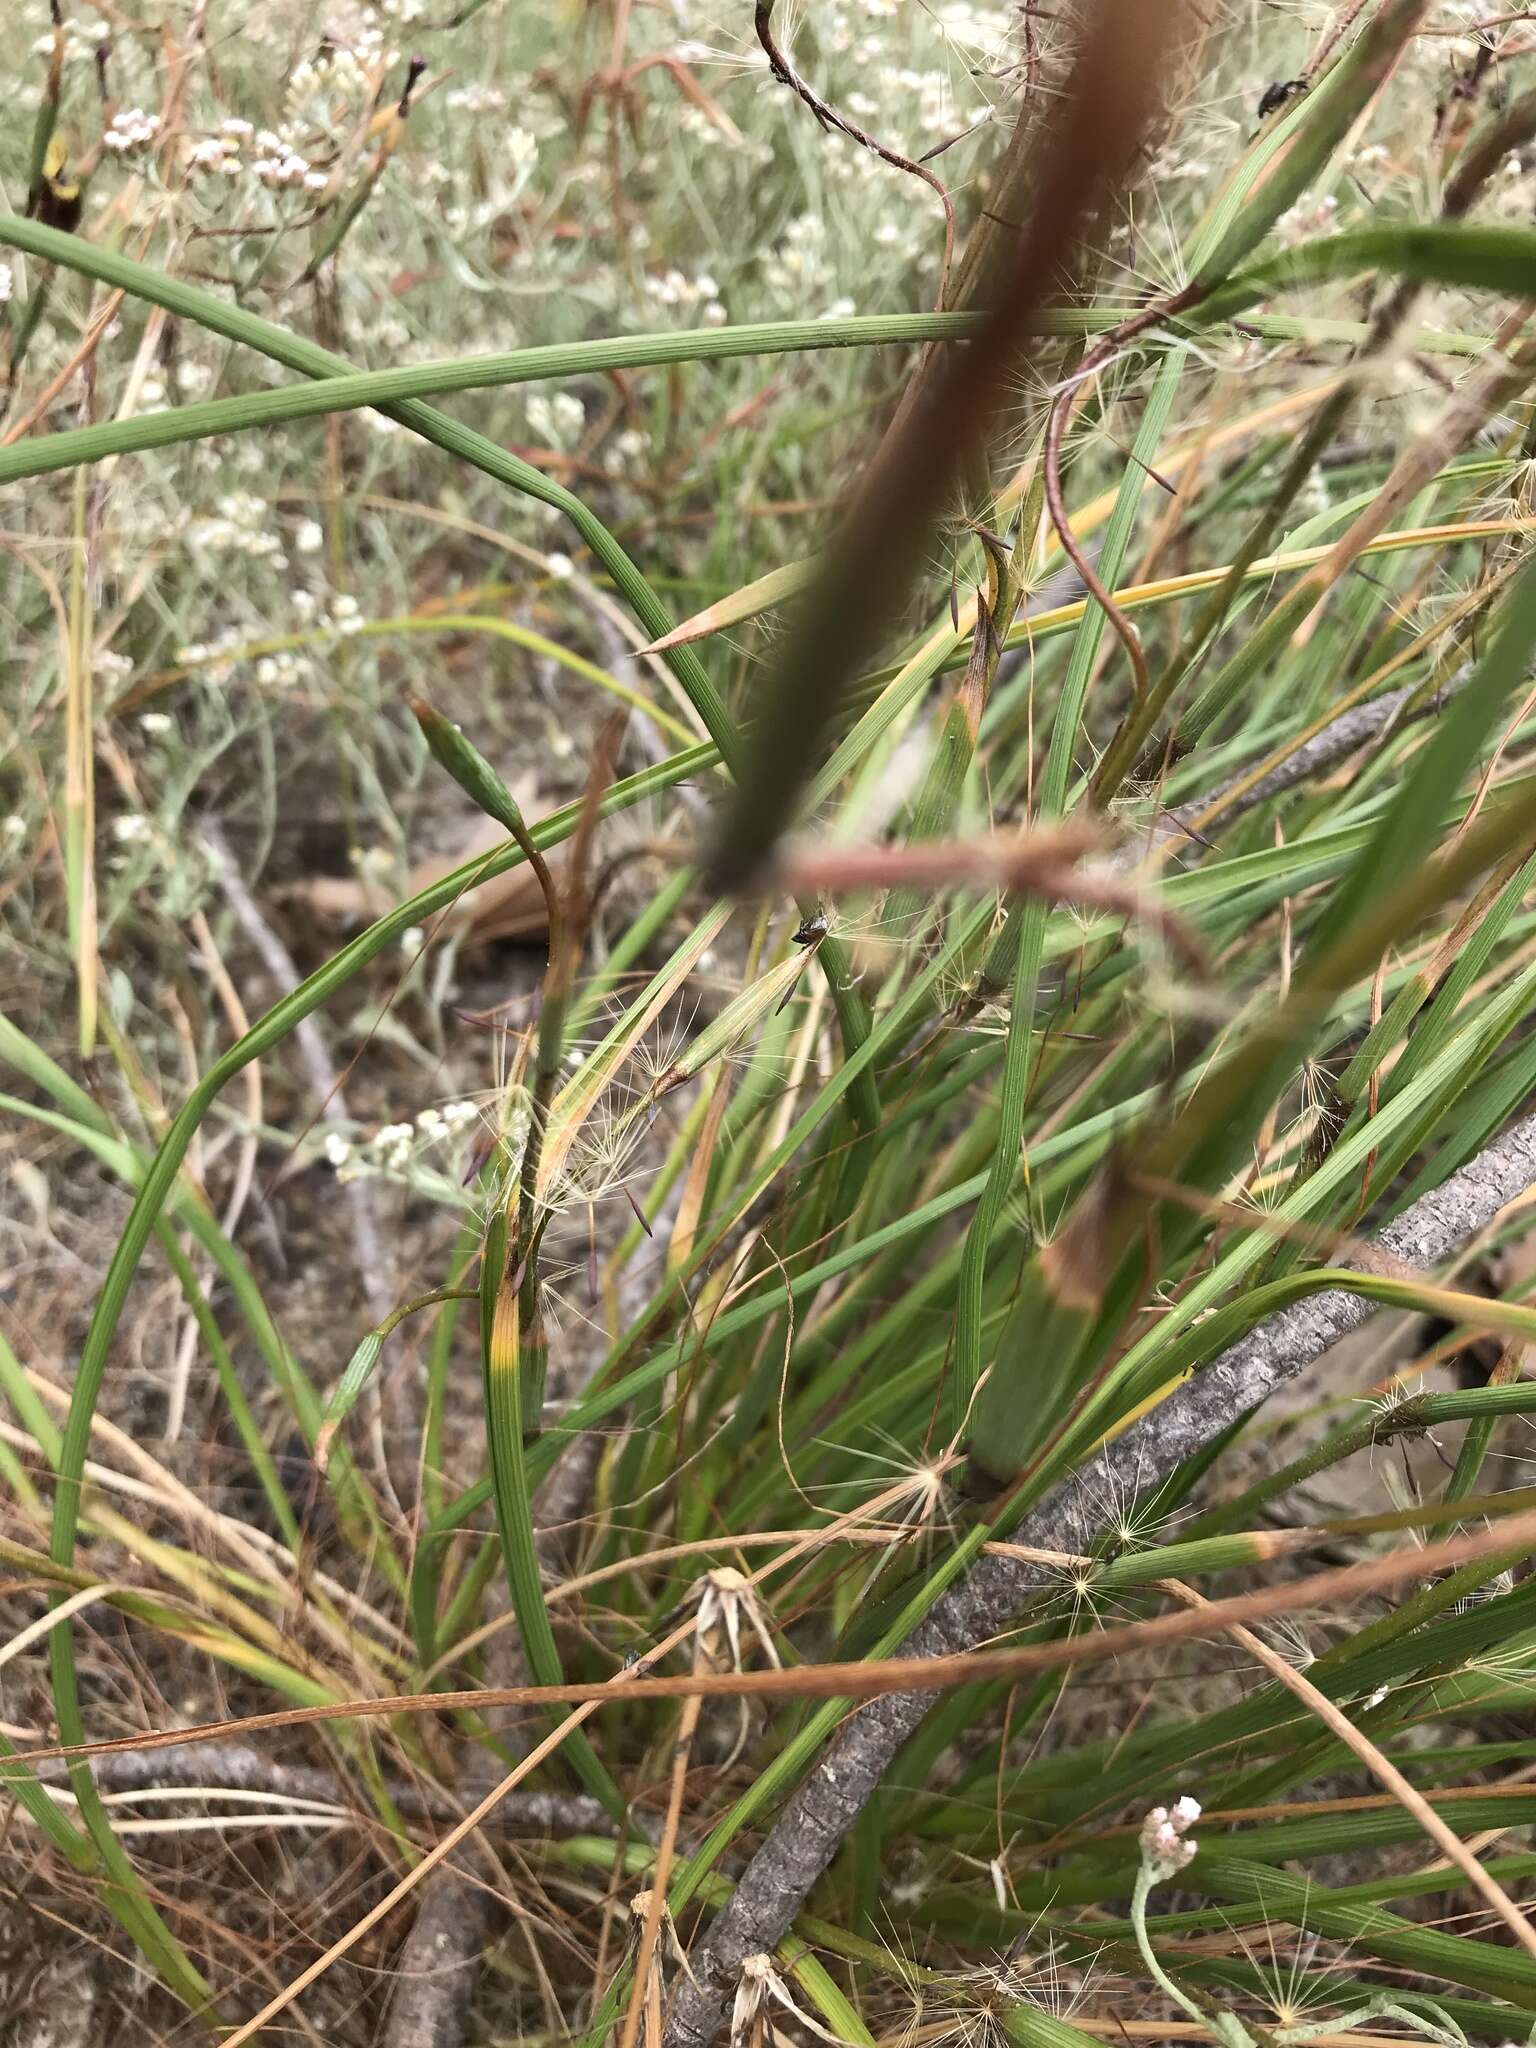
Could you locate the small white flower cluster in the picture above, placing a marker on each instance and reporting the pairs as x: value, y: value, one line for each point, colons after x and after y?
x: 628, y: 449
x: 7, y: 282
x: 799, y: 265
x: 1309, y: 216
x: 676, y: 288
x: 1165, y: 1847
x: 309, y: 537
x: 393, y: 1147
x: 221, y: 152
x: 82, y: 39
x: 393, y: 1144
x: 341, y: 71
x: 281, y: 671
x: 130, y: 129
x: 373, y: 863
x: 215, y: 655
x: 479, y: 98
x: 340, y: 614
x: 556, y: 417
x: 240, y: 526
x: 131, y: 828
x: 280, y: 166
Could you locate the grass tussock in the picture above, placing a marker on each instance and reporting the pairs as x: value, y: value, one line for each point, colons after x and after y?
x: 769, y: 805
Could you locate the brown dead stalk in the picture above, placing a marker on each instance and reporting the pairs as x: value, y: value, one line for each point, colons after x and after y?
x: 854, y: 1681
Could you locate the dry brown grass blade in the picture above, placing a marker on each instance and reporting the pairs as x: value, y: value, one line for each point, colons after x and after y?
x: 1086, y: 153
x: 413, y: 1877
x: 507, y: 906
x: 877, y: 1678
x: 656, y: 1896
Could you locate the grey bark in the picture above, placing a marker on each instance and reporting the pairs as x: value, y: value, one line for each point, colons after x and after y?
x: 232, y: 1767
x: 372, y: 1263
x: 991, y: 1596
x: 436, y: 1973
x: 1335, y: 743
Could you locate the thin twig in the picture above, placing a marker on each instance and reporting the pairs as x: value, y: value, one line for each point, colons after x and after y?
x: 324, y: 1081
x: 829, y: 117
x: 1340, y: 738
x: 913, y: 1674
x: 1098, y: 357
x: 238, y: 1767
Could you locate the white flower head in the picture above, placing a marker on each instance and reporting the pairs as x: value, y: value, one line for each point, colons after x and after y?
x: 759, y: 1988
x: 131, y: 129
x: 726, y: 1599
x: 1165, y: 1849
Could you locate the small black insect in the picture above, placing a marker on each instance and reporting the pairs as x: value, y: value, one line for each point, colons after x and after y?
x: 813, y: 930
x: 1280, y: 94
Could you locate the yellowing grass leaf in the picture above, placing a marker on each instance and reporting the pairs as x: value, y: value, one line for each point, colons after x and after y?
x: 581, y: 1094
x: 777, y: 587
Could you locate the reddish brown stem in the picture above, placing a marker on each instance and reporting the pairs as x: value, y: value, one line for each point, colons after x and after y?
x: 1102, y: 353
x: 829, y: 117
